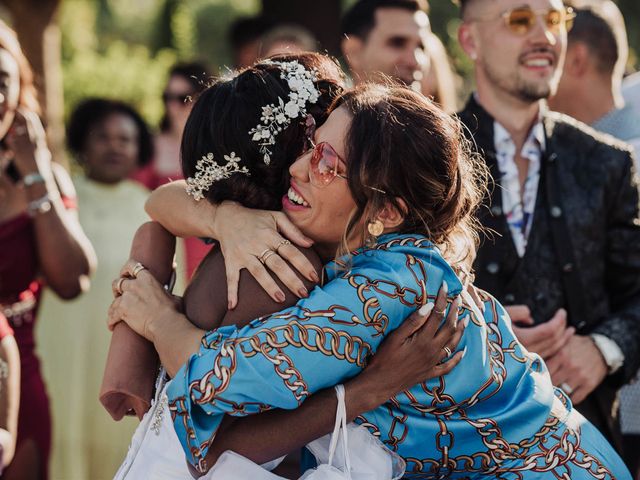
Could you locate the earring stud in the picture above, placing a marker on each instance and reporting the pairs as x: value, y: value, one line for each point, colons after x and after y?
x: 375, y: 228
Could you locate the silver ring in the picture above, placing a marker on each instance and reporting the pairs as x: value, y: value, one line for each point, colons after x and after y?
x: 138, y: 267
x: 447, y: 350
x: 566, y: 388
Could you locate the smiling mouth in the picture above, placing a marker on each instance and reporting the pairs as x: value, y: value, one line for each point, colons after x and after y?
x: 538, y: 62
x: 296, y: 198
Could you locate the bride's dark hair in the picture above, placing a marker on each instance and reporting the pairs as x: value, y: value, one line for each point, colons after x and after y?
x: 227, y: 110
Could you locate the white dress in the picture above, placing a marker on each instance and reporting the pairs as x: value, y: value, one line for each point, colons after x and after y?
x: 156, y: 453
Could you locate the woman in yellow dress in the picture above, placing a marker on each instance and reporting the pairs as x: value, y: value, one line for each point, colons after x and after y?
x: 109, y: 140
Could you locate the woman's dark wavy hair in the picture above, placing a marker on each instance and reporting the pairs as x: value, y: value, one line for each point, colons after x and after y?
x: 421, y: 157
x: 91, y: 112
x: 224, y: 113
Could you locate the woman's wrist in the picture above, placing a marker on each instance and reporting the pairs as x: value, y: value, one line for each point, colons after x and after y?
x: 175, y: 339
x: 220, y: 212
x: 362, y: 394
x: 160, y: 326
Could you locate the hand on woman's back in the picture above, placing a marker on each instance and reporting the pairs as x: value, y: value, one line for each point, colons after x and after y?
x: 205, y: 300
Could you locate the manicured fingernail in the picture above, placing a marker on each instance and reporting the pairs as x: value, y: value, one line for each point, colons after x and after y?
x: 280, y: 297
x: 230, y: 305
x: 315, y: 277
x: 303, y: 293
x: 445, y: 287
x: 465, y: 322
x: 425, y: 309
x: 464, y: 352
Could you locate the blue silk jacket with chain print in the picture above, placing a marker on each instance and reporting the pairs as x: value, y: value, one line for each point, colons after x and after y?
x: 496, y: 415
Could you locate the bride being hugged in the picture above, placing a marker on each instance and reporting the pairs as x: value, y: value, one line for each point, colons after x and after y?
x: 387, y: 192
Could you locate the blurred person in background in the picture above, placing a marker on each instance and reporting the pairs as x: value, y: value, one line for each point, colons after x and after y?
x: 287, y: 39
x: 185, y: 81
x: 109, y: 140
x: 439, y: 81
x: 245, y: 38
x: 387, y: 38
x: 590, y: 88
x: 565, y: 259
x: 9, y: 392
x: 631, y: 90
x: 41, y: 243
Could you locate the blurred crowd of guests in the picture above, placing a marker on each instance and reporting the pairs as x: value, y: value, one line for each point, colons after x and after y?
x: 570, y: 278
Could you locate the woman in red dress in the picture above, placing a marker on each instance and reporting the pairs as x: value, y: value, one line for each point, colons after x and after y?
x: 40, y: 242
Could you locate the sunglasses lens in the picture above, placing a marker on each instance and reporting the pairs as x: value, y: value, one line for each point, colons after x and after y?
x: 554, y: 18
x: 324, y: 164
x: 521, y: 20
x: 175, y: 97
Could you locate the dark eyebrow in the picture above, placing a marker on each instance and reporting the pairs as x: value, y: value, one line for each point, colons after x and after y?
x: 397, y: 39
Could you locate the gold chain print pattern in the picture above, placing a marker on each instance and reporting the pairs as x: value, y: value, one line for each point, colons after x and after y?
x: 469, y: 424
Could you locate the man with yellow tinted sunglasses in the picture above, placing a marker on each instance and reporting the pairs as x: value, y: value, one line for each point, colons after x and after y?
x: 566, y: 256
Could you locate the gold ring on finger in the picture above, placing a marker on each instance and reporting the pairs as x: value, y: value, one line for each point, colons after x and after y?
x: 267, y: 255
x: 119, y: 285
x: 263, y: 255
x: 447, y: 350
x: 138, y: 267
x: 439, y: 312
x: 282, y: 244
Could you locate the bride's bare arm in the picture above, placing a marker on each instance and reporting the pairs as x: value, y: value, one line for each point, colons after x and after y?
x: 171, y: 207
x: 244, y: 235
x: 409, y: 355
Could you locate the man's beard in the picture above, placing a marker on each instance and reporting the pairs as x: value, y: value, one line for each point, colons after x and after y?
x: 526, y: 91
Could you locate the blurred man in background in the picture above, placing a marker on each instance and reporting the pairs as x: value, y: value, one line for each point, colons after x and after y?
x: 565, y: 258
x: 245, y: 37
x: 287, y: 39
x: 387, y: 37
x: 590, y: 88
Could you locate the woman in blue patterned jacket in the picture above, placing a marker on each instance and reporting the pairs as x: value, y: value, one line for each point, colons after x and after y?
x: 387, y: 192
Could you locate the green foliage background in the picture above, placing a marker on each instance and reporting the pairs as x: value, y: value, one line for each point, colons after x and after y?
x: 124, y: 48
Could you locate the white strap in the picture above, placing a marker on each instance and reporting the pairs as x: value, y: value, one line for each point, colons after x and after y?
x: 340, y: 426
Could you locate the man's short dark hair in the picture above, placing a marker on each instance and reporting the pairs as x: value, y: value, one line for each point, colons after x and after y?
x: 601, y: 34
x: 463, y: 6
x: 245, y: 30
x: 360, y: 18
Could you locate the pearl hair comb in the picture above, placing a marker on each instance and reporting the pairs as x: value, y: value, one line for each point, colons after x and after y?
x: 208, y: 171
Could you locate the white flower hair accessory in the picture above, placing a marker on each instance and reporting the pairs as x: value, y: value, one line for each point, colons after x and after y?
x: 208, y: 171
x: 276, y: 118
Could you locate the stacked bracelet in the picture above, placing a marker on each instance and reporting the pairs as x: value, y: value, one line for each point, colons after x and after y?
x: 32, y: 179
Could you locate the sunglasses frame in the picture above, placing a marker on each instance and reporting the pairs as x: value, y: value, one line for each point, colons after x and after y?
x: 172, y: 97
x: 568, y: 12
x: 310, y: 126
